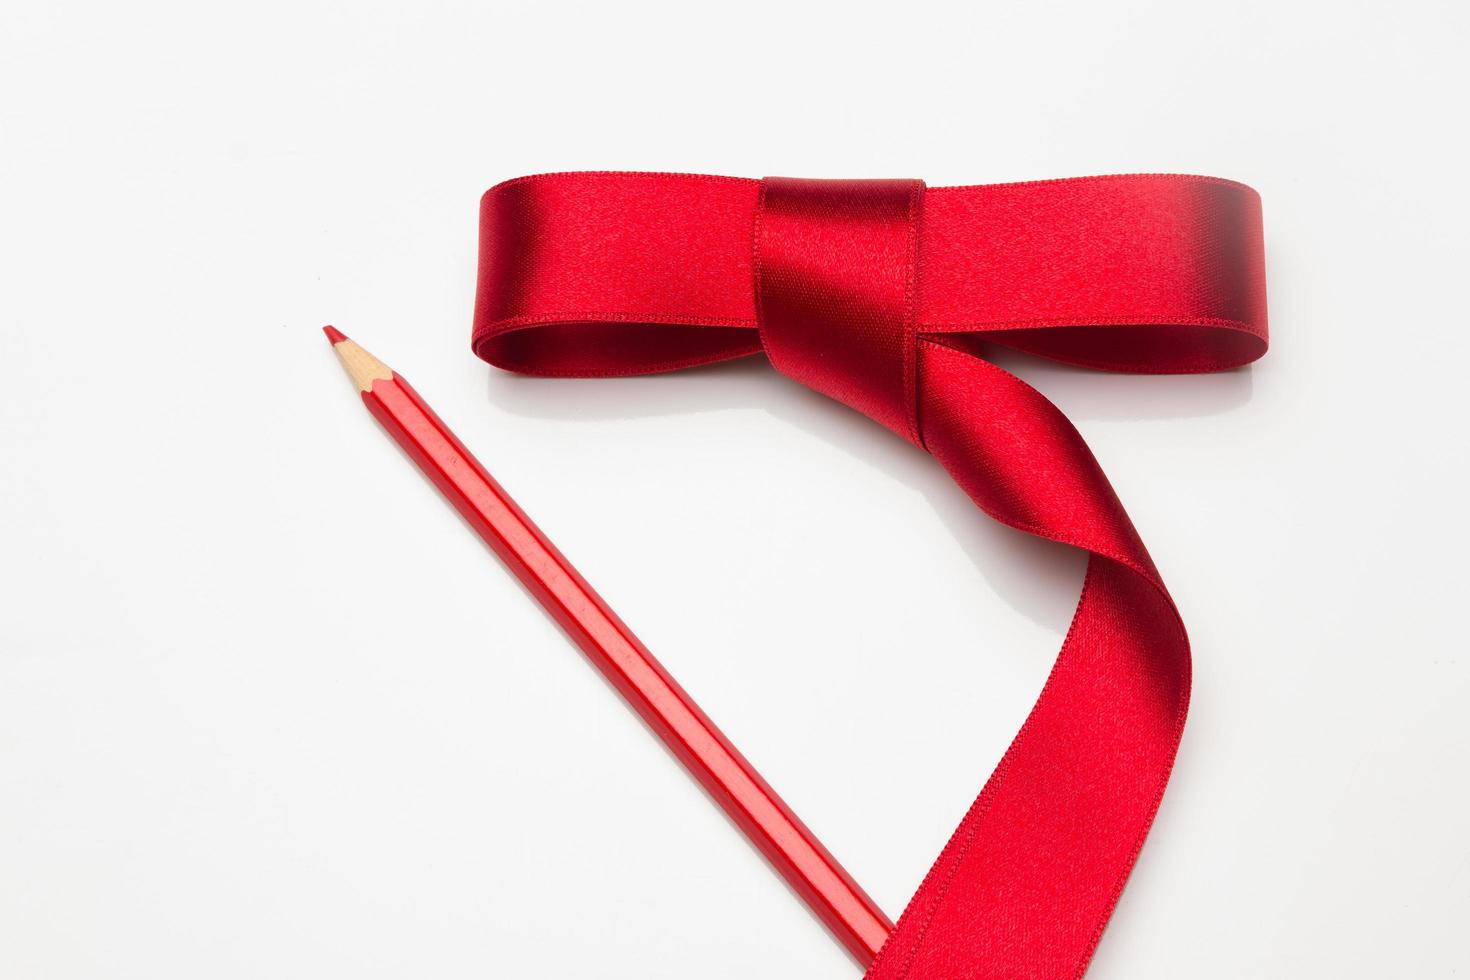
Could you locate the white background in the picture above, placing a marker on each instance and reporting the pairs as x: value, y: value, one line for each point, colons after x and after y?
x: 267, y: 709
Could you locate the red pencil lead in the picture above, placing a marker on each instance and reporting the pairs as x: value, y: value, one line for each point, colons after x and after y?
x: 333, y: 334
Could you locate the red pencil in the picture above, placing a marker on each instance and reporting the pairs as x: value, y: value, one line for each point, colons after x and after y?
x: 797, y: 855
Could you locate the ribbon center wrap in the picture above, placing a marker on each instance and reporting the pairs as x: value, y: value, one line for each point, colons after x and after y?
x: 834, y: 274
x: 885, y: 295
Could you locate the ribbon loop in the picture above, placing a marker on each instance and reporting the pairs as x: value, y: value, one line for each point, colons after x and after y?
x: 835, y: 278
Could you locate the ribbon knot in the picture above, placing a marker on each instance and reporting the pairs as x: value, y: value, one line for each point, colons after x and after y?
x: 834, y: 278
x: 884, y: 295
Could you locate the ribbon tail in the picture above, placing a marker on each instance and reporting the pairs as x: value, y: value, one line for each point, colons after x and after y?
x: 1025, y: 886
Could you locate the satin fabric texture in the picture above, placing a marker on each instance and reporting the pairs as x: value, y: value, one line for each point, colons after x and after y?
x: 886, y: 295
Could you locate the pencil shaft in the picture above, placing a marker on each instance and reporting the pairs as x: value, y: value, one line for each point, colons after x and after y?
x: 792, y: 849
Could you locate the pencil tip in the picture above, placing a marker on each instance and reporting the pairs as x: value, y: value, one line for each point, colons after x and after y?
x: 361, y: 366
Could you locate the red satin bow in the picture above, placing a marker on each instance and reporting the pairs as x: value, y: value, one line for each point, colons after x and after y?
x: 879, y: 293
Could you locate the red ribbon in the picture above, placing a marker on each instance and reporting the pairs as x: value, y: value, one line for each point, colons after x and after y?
x: 881, y: 294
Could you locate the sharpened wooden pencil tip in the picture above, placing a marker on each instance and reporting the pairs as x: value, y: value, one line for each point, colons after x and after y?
x: 362, y: 367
